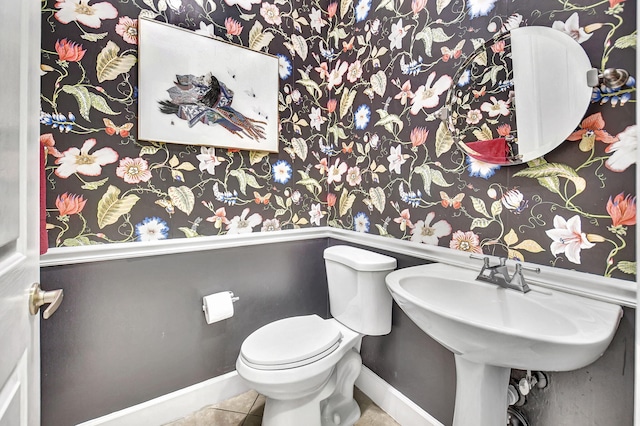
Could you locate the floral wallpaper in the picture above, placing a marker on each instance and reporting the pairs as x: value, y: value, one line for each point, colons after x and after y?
x: 360, y: 145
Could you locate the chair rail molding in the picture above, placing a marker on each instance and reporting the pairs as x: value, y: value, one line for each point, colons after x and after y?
x: 611, y: 290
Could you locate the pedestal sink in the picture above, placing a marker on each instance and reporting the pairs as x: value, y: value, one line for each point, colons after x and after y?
x: 491, y: 329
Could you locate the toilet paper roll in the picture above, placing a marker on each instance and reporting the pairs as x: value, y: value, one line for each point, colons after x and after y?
x: 218, y: 306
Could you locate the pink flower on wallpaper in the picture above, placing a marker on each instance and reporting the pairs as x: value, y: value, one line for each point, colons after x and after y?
x: 622, y: 210
x: 133, y: 170
x: 79, y: 161
x: 572, y: 28
x: 83, y: 13
x: 219, y: 218
x: 271, y: 14
x: 418, y: 136
x: 234, y: 28
x: 465, y: 241
x: 127, y: 28
x: 355, y: 71
x: 417, y: 6
x: 404, y: 220
x: 428, y: 96
x: 332, y: 9
x: 354, y: 176
x: 568, y: 238
x: 68, y: 204
x: 591, y: 130
x: 48, y: 144
x: 405, y: 92
x: 69, y: 51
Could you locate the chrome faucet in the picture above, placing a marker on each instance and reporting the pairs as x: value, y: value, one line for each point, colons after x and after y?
x: 499, y: 274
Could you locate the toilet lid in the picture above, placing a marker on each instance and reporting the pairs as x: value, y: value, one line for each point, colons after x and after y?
x: 290, y: 342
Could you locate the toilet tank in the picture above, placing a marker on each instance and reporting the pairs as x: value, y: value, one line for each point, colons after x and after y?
x: 358, y: 295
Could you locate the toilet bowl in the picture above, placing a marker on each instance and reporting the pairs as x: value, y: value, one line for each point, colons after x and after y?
x: 306, y: 366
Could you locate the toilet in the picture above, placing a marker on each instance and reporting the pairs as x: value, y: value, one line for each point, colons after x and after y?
x: 306, y: 366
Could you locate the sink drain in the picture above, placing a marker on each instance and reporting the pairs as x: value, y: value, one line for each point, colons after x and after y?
x: 516, y: 418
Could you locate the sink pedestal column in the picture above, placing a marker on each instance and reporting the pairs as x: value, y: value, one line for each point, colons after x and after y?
x: 481, y: 394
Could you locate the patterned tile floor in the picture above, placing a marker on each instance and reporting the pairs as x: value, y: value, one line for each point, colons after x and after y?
x: 246, y: 410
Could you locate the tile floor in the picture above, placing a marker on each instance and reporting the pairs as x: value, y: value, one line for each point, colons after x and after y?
x: 246, y: 410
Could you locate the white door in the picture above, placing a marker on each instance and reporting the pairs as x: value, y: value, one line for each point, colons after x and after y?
x: 19, y: 178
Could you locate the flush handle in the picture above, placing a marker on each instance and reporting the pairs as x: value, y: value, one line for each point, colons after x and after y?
x: 39, y: 297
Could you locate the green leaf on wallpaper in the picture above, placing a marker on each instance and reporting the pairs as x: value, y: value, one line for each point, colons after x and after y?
x: 79, y: 241
x: 251, y: 181
x: 310, y: 183
x: 109, y: 65
x: 256, y: 156
x: 388, y: 121
x: 300, y: 148
x: 626, y: 41
x: 279, y: 212
x: 426, y: 35
x: 515, y: 254
x: 385, y: 4
x: 346, y: 101
x: 479, y: 222
x: 93, y: 36
x: 345, y: 6
x: 441, y: 4
x: 111, y: 206
x: 82, y: 97
x: 627, y: 267
x: 346, y: 201
x: 483, y: 133
x: 550, y: 170
x: 182, y: 197
x: 300, y: 46
x: 188, y: 232
x: 311, y: 86
x: 100, y: 103
x: 280, y: 201
x: 480, y: 206
x: 511, y: 238
x: 425, y: 171
x: 337, y: 132
x: 148, y: 150
x: 382, y: 230
x: 378, y: 199
x: 530, y: 246
x: 186, y: 166
x: 241, y: 175
x: 496, y: 208
x: 438, y: 178
x: 257, y: 38
x: 90, y: 186
x: 444, y: 141
x: 247, y: 16
x: 379, y: 83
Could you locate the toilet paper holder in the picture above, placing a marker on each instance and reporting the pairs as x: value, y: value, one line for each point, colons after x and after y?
x: 218, y: 306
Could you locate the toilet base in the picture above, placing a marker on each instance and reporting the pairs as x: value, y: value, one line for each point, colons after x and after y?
x: 332, y: 405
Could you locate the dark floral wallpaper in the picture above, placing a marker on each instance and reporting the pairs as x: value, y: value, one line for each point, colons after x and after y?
x: 360, y: 146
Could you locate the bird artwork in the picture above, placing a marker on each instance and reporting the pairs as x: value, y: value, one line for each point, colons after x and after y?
x: 208, y: 100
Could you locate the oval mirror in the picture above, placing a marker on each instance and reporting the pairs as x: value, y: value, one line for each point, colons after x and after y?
x: 519, y: 95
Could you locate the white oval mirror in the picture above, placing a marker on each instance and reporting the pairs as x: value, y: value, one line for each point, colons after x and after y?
x: 519, y: 95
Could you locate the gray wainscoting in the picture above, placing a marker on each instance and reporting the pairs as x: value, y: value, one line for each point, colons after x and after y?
x: 130, y: 331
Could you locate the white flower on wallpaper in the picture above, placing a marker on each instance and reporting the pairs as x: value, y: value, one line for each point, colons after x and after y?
x: 572, y: 28
x: 623, y: 150
x: 208, y: 159
x: 424, y: 232
x: 568, y: 238
x: 83, y: 162
x: 480, y: 7
x: 243, y: 224
x: 428, y: 95
x: 83, y: 13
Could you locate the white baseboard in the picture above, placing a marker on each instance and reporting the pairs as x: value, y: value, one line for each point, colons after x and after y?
x: 183, y: 402
x: 175, y: 405
x: 392, y: 401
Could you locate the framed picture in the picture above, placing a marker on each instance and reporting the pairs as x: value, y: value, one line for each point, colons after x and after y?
x: 196, y: 90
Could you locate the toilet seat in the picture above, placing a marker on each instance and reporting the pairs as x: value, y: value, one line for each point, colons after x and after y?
x: 290, y: 342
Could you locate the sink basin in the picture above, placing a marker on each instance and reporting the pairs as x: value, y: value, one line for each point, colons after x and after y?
x: 491, y: 330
